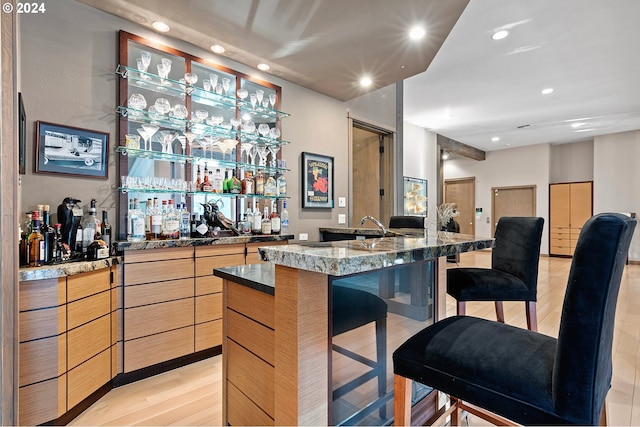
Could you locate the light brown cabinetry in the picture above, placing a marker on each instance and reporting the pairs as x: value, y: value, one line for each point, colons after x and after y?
x: 570, y: 206
x: 65, y: 343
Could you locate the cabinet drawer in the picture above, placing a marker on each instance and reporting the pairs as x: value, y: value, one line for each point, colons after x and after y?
x: 153, y: 293
x: 42, y: 360
x: 148, y: 351
x: 560, y: 250
x: 88, y: 340
x: 157, y: 271
x: 243, y: 412
x: 88, y: 309
x: 208, y: 334
x: 254, y: 304
x: 42, y: 323
x: 563, y: 242
x: 208, y: 307
x: 157, y: 254
x: 42, y: 402
x: 157, y: 318
x: 252, y: 375
x: 42, y: 294
x: 88, y: 377
x: 254, y: 336
x: 208, y: 285
x: 85, y: 284
x: 205, y: 265
x: 214, y: 250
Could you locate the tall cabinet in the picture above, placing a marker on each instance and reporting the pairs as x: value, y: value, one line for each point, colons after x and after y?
x: 570, y: 206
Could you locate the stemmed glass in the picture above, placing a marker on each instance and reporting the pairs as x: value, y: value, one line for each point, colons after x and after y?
x: 145, y: 57
x: 247, y: 147
x: 215, y: 120
x: 272, y: 100
x: 213, y: 79
x: 226, y: 84
x: 183, y: 143
x: 242, y: 94
x: 162, y: 106
x: 168, y: 136
x: 201, y: 115
x: 235, y: 123
x: 253, y: 100
x: 262, y: 151
x: 191, y: 79
x: 249, y: 127
x: 149, y: 131
x: 209, y: 142
x: 142, y: 70
x: 227, y: 145
x: 166, y: 62
x: 259, y: 95
x: 274, y: 133
x: 274, y: 151
x: 263, y: 129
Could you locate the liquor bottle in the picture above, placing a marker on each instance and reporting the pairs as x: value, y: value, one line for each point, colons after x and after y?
x: 265, y: 226
x: 259, y: 183
x: 248, y: 183
x: 49, y: 235
x: 59, y: 251
x: 25, y: 230
x: 36, y: 243
x: 284, y: 219
x: 218, y: 182
x: 249, y: 216
x: 136, y: 223
x: 78, y: 245
x: 256, y: 224
x: 170, y: 221
x: 276, y: 223
x: 194, y: 224
x: 106, y: 230
x: 235, y: 185
x: 282, y: 185
x: 198, y: 177
x: 226, y: 183
x: 90, y: 227
x: 147, y: 218
x: 185, y: 223
x: 156, y: 221
x: 203, y: 228
x: 206, y: 184
x: 270, y: 187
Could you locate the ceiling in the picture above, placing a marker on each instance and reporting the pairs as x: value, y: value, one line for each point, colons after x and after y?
x: 474, y: 88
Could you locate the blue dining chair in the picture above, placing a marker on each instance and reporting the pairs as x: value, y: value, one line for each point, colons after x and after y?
x: 503, y: 373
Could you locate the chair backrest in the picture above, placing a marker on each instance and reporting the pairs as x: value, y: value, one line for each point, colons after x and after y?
x: 406, y: 221
x: 582, y: 367
x: 517, y: 248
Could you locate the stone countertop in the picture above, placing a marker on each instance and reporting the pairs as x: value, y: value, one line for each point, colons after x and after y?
x: 343, y: 257
x: 55, y: 271
x: 260, y: 276
x: 222, y: 240
x: 374, y: 232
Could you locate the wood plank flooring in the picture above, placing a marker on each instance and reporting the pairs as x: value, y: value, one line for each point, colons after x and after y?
x: 192, y: 395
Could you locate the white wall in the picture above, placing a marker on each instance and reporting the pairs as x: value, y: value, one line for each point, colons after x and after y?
x: 67, y: 73
x: 506, y: 168
x: 571, y: 162
x: 616, y: 178
x: 420, y: 159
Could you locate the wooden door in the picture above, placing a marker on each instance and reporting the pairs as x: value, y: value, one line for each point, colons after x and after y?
x: 366, y: 175
x: 462, y: 192
x: 512, y: 201
x: 559, y: 196
x: 581, y: 203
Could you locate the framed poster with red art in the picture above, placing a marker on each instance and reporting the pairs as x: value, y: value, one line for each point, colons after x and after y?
x: 317, y: 181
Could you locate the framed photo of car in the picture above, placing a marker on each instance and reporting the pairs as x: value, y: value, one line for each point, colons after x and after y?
x: 73, y: 151
x: 317, y: 181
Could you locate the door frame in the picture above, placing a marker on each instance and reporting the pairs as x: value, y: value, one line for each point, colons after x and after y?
x: 473, y: 179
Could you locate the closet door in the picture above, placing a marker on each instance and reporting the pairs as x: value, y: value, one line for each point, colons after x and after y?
x: 581, y: 208
x: 560, y: 219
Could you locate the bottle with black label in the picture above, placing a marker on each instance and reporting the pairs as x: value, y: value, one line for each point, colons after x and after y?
x: 106, y: 230
x: 49, y: 235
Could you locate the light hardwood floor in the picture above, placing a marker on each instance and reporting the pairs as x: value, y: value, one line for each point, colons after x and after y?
x: 192, y: 395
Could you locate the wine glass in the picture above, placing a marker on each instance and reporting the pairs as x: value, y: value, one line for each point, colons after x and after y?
x: 149, y: 130
x: 226, y: 84
x: 274, y: 133
x: 272, y: 100
x: 145, y: 57
x: 206, y: 85
x: 249, y: 127
x: 213, y: 79
x: 201, y: 115
x: 259, y: 95
x: 162, y: 106
x: 167, y: 68
x: 163, y: 73
x: 191, y: 79
x: 180, y: 111
x: 142, y: 69
x: 216, y: 120
x: 263, y: 129
x: 253, y: 98
x: 235, y: 123
x: 137, y: 101
x: 168, y: 136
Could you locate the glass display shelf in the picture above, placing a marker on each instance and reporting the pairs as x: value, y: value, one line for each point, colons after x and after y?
x: 160, y: 85
x: 198, y: 193
x: 182, y: 158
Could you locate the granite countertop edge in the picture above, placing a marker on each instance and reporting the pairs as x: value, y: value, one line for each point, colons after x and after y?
x: 56, y: 271
x: 259, y: 276
x: 224, y: 240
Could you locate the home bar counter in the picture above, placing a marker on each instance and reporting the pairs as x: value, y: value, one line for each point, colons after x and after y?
x: 87, y: 326
x: 278, y: 363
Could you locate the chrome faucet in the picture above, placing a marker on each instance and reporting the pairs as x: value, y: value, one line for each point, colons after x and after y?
x: 376, y: 222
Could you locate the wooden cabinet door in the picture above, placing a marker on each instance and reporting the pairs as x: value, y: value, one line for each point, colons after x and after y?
x: 560, y: 215
x: 581, y: 203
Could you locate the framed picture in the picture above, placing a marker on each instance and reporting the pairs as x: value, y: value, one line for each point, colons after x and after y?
x: 22, y: 136
x: 73, y: 151
x: 415, y: 196
x: 317, y: 181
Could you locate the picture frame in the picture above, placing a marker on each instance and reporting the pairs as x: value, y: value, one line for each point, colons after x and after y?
x: 22, y: 136
x: 317, y: 181
x: 72, y: 151
x: 415, y: 196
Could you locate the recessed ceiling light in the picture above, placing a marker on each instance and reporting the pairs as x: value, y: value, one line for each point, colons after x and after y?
x: 546, y: 91
x: 499, y: 35
x: 263, y: 67
x: 495, y: 139
x: 445, y: 155
x: 160, y: 26
x: 417, y: 32
x: 365, y: 81
x: 217, y: 48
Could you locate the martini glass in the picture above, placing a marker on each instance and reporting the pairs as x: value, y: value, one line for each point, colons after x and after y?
x: 168, y: 136
x: 274, y: 151
x: 245, y: 148
x: 149, y: 130
x: 227, y: 145
x: 262, y: 151
x: 183, y: 143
